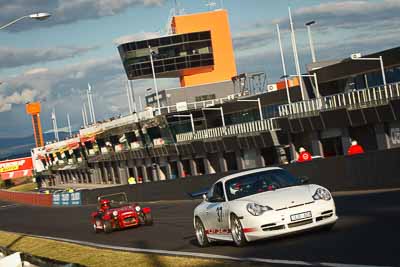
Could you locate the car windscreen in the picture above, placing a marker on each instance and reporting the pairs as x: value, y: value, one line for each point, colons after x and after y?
x: 255, y: 183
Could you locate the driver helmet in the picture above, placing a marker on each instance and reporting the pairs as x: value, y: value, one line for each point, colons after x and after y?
x: 105, y: 203
x: 234, y: 188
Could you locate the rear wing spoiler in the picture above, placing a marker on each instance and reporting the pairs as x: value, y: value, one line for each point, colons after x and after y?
x: 198, y: 193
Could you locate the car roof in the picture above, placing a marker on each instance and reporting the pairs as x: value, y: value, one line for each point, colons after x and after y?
x: 238, y: 174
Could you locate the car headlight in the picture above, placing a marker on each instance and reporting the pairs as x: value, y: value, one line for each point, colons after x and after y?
x: 137, y: 208
x: 322, y: 193
x: 257, y: 210
x: 115, y: 213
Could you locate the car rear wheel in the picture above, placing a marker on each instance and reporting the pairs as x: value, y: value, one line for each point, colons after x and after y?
x: 148, y: 219
x: 237, y: 231
x: 107, y: 228
x: 201, y: 235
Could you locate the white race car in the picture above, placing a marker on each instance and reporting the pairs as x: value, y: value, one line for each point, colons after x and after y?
x: 259, y: 204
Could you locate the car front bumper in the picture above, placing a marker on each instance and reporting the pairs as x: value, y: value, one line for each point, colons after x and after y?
x: 279, y: 222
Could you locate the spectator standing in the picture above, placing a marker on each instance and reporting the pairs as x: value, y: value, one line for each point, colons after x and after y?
x: 355, y: 148
x: 304, y: 155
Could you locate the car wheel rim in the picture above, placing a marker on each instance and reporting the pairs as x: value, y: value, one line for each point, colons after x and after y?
x: 237, y: 231
x: 200, y: 233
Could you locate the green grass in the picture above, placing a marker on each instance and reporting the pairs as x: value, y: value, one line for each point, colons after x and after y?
x: 90, y: 256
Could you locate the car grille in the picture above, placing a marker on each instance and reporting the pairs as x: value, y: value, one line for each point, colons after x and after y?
x: 130, y: 220
x: 301, y: 223
x: 273, y: 228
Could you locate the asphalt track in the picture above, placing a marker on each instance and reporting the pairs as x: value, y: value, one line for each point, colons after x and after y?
x: 366, y: 233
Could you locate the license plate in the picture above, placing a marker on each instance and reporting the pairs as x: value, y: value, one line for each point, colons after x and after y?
x: 300, y: 216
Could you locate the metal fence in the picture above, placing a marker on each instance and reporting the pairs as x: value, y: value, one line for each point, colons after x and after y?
x: 351, y: 100
x: 231, y: 130
x: 199, y: 104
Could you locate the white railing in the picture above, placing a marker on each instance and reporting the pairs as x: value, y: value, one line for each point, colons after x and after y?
x: 200, y: 104
x: 354, y: 99
x: 236, y: 129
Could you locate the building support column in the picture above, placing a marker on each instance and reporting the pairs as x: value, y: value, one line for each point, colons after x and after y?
x: 292, y: 151
x: 316, y: 145
x: 112, y: 172
x: 135, y: 173
x: 168, y: 173
x: 123, y: 172
x: 58, y: 178
x: 260, y: 161
x: 181, y: 170
x: 97, y: 174
x: 382, y: 138
x: 239, y: 160
x: 193, y: 167
x: 207, y: 166
x: 346, y: 140
x: 144, y: 172
x: 84, y: 175
x: 223, y: 165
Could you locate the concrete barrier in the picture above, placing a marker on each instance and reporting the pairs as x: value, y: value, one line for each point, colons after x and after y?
x: 373, y: 170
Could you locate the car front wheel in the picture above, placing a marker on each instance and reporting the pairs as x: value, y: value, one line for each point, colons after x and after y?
x: 201, y: 235
x: 237, y: 231
x: 107, y: 227
x: 95, y: 229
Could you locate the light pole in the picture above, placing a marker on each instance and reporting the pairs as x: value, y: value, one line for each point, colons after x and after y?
x: 358, y: 56
x: 308, y: 24
x: 295, y: 54
x: 187, y: 116
x: 154, y: 79
x: 36, y: 16
x: 283, y: 63
x: 222, y: 114
x: 259, y: 105
x: 317, y: 94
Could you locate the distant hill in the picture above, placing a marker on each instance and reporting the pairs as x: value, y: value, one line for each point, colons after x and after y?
x: 14, y: 147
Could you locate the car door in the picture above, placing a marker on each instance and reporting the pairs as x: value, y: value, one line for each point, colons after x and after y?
x: 216, y: 212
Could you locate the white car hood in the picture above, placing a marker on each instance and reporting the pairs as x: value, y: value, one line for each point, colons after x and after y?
x: 282, y: 198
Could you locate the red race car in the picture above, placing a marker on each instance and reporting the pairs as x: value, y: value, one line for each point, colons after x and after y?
x: 115, y: 212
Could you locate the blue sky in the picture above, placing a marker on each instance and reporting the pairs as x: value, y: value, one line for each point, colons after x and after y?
x: 52, y: 61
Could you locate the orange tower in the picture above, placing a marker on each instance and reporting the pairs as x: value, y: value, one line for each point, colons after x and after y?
x: 217, y: 23
x: 33, y: 109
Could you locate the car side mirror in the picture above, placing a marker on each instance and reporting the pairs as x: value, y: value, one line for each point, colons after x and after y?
x: 205, y: 197
x: 304, y: 179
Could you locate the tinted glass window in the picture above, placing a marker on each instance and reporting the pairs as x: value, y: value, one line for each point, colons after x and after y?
x: 216, y: 193
x: 255, y: 183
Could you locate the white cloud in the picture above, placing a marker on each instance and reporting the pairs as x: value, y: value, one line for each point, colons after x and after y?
x: 36, y: 71
x: 67, y: 11
x: 26, y: 95
x: 14, y: 57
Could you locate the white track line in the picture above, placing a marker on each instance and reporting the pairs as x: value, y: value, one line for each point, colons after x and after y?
x: 205, y: 255
x: 10, y: 205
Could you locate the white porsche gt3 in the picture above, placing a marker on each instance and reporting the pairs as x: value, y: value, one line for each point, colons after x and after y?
x: 259, y: 204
